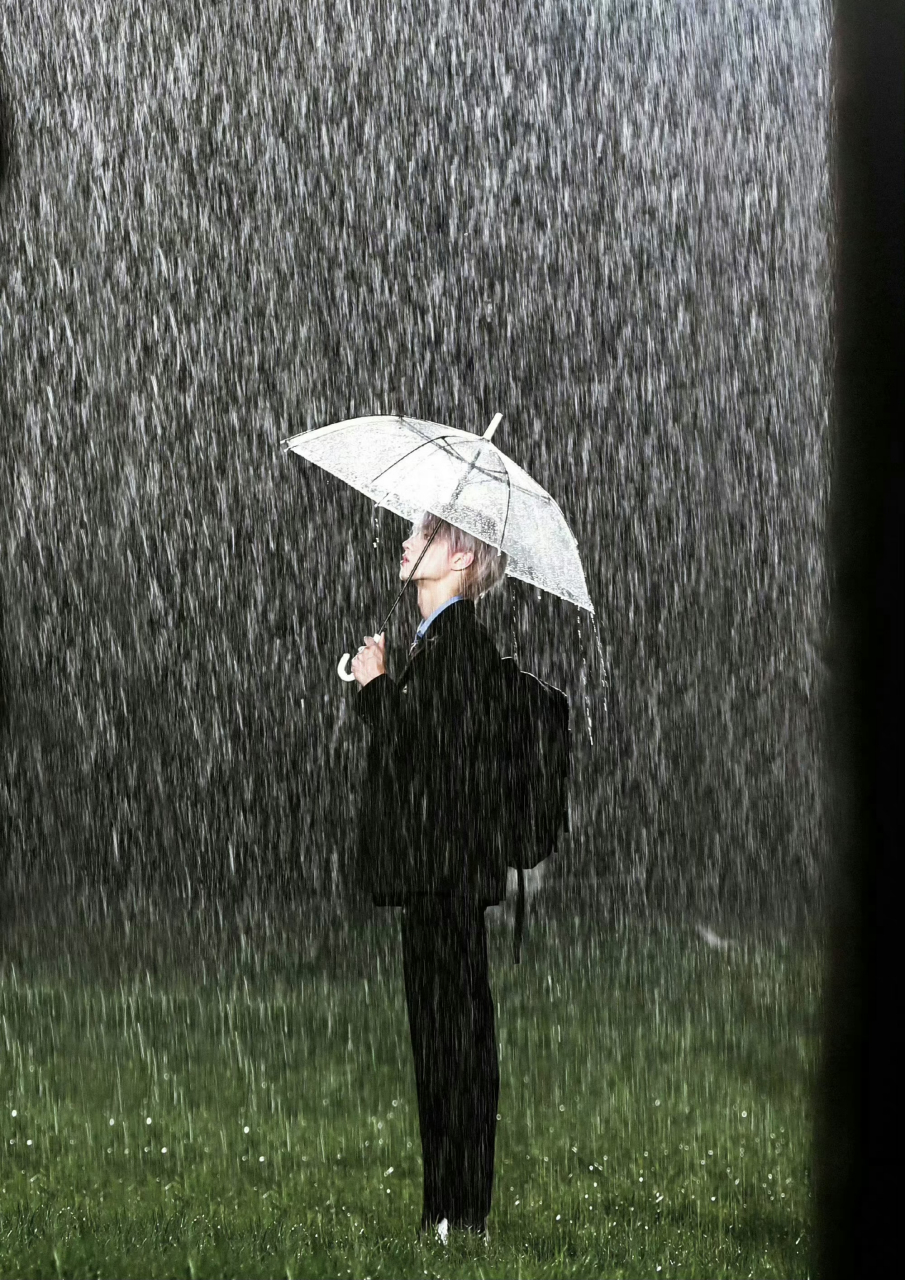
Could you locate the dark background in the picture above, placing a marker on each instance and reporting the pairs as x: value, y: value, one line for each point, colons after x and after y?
x: 223, y: 226
x: 858, y: 1129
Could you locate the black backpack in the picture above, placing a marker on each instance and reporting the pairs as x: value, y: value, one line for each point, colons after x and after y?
x: 539, y: 753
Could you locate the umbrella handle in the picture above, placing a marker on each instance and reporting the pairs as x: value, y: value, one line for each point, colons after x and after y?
x: 341, y: 669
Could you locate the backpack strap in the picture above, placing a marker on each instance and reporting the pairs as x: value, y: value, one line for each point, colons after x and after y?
x: 519, y: 915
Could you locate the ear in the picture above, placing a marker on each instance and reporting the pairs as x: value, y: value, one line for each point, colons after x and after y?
x: 467, y: 557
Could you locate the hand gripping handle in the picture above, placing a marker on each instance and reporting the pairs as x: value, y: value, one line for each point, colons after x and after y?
x: 343, y: 663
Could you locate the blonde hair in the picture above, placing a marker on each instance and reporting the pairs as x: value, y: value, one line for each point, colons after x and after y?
x: 487, y: 569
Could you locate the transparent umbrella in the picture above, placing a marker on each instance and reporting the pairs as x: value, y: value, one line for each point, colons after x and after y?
x: 410, y: 466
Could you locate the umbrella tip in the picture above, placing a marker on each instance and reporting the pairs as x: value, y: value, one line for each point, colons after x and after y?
x: 494, y: 423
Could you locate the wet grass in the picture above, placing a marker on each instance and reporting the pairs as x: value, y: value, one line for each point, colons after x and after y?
x: 250, y: 1111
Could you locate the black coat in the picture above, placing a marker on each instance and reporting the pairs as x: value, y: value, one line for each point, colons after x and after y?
x: 430, y: 819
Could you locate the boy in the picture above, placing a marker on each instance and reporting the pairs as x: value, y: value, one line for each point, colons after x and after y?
x: 432, y: 841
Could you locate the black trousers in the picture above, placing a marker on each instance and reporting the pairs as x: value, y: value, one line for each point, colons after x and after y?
x: 451, y: 1018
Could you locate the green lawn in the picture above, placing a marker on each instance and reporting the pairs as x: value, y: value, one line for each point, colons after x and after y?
x: 248, y: 1108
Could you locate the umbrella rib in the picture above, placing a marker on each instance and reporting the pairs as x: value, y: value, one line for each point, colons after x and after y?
x: 396, y: 461
x: 540, y: 494
x: 508, y: 503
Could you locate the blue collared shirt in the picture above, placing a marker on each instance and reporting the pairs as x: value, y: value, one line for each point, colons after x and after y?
x: 425, y: 622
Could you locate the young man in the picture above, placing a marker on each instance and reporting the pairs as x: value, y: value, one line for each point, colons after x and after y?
x: 432, y: 840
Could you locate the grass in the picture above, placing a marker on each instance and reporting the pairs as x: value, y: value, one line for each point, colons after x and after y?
x: 249, y: 1109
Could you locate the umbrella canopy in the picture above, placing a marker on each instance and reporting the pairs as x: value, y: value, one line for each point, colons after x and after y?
x: 410, y: 466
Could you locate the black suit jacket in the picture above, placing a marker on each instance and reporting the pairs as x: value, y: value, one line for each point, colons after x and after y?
x: 431, y: 820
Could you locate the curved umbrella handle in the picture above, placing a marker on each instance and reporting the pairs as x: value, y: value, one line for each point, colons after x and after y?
x: 341, y: 669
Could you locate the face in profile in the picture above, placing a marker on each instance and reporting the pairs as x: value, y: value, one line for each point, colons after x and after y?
x: 435, y: 563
